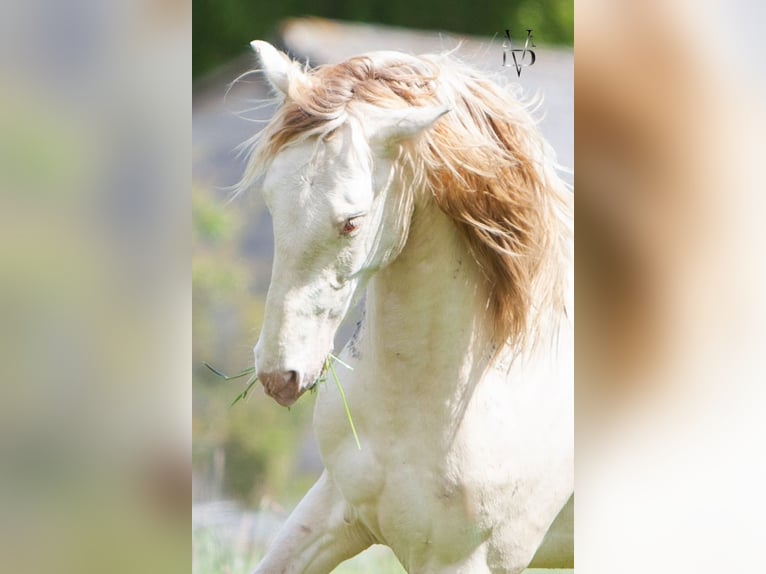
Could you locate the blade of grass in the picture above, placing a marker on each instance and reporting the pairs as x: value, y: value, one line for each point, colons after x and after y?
x: 243, y: 394
x: 345, y: 402
x: 226, y: 377
x: 349, y: 367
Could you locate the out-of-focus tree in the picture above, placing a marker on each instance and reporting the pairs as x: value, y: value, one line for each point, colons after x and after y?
x: 223, y: 28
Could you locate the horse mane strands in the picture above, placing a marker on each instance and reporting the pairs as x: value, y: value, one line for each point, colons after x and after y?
x: 487, y: 167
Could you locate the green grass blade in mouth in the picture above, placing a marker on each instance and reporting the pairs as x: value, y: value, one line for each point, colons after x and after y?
x: 226, y: 377
x: 243, y: 394
x: 334, y: 358
x: 329, y: 362
x: 249, y: 385
x: 328, y: 366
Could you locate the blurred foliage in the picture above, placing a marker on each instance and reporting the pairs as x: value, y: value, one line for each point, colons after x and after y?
x: 223, y: 28
x: 42, y: 155
x: 256, y: 444
x: 213, y: 554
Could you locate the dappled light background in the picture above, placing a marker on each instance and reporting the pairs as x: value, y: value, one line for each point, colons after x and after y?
x: 94, y: 286
x: 670, y: 277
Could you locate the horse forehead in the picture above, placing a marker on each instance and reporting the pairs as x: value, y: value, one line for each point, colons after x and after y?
x: 318, y: 165
x: 285, y: 171
x: 341, y: 145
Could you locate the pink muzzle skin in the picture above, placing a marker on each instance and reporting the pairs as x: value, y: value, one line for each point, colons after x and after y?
x: 283, y: 387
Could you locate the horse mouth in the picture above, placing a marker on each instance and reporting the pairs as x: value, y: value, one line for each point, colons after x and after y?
x: 284, y: 389
x: 285, y: 395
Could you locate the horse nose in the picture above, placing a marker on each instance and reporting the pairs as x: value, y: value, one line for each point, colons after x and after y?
x: 283, y: 386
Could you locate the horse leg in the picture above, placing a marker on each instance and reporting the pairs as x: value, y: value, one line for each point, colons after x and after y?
x: 317, y: 536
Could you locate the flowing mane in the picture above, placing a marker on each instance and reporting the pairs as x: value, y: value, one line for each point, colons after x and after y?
x: 483, y: 164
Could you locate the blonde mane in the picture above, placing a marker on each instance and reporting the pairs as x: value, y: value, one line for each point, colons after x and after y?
x: 484, y: 164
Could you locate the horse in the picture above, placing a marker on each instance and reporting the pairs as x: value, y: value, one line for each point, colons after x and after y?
x: 424, y: 185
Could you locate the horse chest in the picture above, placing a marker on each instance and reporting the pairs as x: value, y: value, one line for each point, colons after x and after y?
x: 413, y: 485
x: 411, y: 502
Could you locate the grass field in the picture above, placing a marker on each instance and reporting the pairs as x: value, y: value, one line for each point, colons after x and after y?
x: 214, y: 555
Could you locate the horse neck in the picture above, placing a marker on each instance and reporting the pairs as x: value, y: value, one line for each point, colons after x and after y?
x: 425, y: 311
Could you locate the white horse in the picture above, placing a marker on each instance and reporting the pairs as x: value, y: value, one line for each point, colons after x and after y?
x: 424, y: 184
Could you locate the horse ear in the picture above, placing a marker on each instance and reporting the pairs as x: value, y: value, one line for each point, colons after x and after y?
x: 387, y: 126
x: 276, y: 65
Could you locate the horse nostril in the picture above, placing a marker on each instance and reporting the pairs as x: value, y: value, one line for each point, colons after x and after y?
x: 279, y: 379
x: 291, y: 377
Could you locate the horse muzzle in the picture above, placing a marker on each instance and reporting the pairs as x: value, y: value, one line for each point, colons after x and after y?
x: 284, y: 387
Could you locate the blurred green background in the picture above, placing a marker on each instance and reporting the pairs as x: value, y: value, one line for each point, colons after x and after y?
x: 223, y: 28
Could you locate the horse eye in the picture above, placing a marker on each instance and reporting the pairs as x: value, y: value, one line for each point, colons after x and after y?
x: 350, y: 225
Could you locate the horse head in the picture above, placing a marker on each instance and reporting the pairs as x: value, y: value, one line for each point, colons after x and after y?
x: 326, y: 168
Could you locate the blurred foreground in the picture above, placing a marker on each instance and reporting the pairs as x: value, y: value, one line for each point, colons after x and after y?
x: 671, y: 273
x: 95, y: 327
